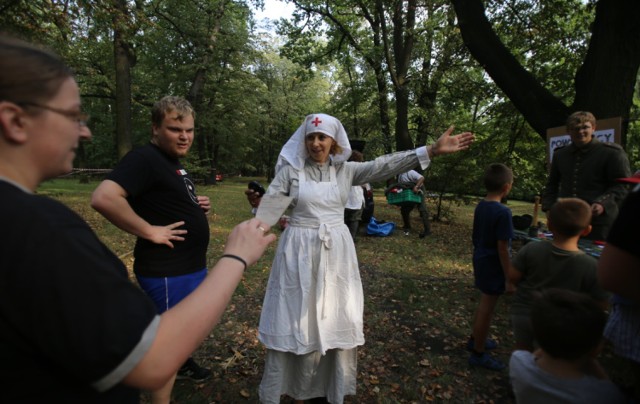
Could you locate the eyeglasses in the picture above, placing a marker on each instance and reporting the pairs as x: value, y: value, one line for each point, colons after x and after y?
x: 77, y: 116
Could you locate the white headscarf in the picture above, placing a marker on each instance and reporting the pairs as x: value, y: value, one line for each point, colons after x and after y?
x: 294, y: 152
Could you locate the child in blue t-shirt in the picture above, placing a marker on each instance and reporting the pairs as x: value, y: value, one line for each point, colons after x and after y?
x: 492, y: 234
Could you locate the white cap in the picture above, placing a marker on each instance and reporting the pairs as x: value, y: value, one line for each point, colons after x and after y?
x: 294, y: 152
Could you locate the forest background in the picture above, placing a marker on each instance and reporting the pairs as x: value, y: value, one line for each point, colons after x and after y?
x: 397, y: 73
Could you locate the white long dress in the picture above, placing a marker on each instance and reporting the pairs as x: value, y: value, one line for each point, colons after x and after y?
x: 311, y: 320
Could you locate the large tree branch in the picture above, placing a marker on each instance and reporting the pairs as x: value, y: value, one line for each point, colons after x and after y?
x: 604, y: 83
x: 540, y: 107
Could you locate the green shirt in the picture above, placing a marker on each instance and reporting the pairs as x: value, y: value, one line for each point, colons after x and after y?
x: 545, y: 266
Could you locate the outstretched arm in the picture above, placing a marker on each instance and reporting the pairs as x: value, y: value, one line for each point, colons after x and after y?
x: 450, y: 144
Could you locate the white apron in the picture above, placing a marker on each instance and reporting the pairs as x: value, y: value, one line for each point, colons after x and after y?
x: 314, y: 298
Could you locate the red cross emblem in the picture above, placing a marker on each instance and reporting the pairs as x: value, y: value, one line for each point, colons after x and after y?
x: 316, y: 122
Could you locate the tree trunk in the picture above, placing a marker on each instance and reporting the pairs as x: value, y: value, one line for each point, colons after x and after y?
x: 383, y: 109
x: 124, y: 59
x: 402, y: 42
x: 605, y: 82
x: 403, y: 140
x: 430, y: 80
x: 204, y: 137
x: 195, y: 98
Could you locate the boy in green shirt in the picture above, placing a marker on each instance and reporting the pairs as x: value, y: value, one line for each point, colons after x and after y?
x: 558, y: 263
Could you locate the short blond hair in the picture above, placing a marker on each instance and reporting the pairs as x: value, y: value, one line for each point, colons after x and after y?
x: 170, y: 104
x: 580, y: 117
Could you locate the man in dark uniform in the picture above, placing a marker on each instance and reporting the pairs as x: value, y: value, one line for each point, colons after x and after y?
x: 588, y: 169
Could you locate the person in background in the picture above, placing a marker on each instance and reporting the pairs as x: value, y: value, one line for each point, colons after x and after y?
x: 74, y: 328
x: 312, y: 317
x: 149, y: 194
x: 355, y: 202
x: 416, y: 181
x: 568, y: 326
x: 557, y: 263
x: 369, y: 204
x: 619, y: 273
x: 588, y: 169
x: 491, y: 235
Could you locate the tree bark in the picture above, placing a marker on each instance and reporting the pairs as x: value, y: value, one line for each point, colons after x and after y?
x: 205, y: 137
x: 123, y: 59
x: 605, y: 82
x: 398, y: 57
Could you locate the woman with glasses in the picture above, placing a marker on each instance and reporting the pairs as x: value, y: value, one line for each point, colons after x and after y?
x: 72, y: 326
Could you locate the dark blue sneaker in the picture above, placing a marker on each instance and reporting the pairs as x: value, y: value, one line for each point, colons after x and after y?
x: 486, y: 361
x: 489, y: 344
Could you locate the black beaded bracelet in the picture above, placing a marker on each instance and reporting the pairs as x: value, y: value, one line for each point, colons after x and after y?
x: 235, y: 257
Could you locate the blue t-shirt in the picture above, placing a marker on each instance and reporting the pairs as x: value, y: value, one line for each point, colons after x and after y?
x: 491, y: 223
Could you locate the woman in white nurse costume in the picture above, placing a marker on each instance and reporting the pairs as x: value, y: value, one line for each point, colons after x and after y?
x: 311, y: 320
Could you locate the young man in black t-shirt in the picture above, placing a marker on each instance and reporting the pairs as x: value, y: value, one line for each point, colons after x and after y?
x: 150, y: 195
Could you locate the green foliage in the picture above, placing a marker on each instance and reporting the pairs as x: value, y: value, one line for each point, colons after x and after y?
x: 549, y: 38
x: 252, y: 89
x: 633, y: 134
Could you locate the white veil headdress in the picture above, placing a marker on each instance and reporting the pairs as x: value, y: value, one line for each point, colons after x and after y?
x: 294, y: 152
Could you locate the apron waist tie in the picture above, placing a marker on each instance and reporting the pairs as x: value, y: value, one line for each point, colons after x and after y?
x: 324, y: 233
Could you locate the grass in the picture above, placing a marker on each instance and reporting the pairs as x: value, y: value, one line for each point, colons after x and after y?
x: 419, y: 301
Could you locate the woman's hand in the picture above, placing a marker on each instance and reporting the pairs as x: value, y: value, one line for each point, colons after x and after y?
x: 450, y: 144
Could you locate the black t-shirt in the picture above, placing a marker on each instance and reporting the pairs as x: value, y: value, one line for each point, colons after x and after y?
x: 71, y: 322
x: 161, y: 192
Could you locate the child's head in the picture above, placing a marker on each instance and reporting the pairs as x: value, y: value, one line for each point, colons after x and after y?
x: 496, y: 176
x: 566, y: 324
x: 569, y: 217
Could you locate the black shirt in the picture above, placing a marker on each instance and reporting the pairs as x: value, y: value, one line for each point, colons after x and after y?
x: 69, y: 316
x: 161, y: 192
